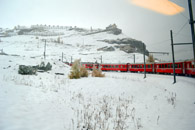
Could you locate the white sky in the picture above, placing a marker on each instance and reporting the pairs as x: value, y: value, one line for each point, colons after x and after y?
x: 136, y: 22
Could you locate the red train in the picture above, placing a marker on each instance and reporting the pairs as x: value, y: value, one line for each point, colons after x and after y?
x: 181, y: 68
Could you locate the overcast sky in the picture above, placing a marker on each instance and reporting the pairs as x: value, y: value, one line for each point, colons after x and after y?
x: 136, y: 22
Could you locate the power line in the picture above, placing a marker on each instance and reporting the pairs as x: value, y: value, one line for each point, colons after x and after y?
x: 178, y: 32
x: 163, y: 41
x: 181, y: 28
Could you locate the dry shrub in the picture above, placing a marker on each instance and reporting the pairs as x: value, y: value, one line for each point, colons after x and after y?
x: 150, y: 58
x: 78, y: 71
x: 83, y: 71
x: 75, y: 70
x: 97, y: 72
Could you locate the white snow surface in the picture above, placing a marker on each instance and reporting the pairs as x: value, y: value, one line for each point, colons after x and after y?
x: 75, y: 44
x: 47, y: 101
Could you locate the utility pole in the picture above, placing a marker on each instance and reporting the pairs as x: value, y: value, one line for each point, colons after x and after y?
x: 192, y: 25
x: 134, y: 58
x: 174, y: 78
x: 44, y: 50
x: 101, y: 59
x: 144, y: 49
x: 62, y: 56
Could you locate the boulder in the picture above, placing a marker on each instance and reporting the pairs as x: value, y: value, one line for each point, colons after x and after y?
x: 106, y: 48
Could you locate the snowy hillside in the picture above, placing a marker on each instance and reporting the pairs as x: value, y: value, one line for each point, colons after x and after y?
x: 72, y: 43
x: 119, y: 101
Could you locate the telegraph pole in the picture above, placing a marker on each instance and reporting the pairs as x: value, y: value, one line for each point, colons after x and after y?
x: 62, y: 56
x: 134, y: 58
x: 44, y: 50
x: 101, y: 59
x: 174, y: 78
x: 144, y: 49
x: 192, y: 25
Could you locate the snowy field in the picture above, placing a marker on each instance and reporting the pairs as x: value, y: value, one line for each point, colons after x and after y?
x: 119, y: 101
x: 75, y: 45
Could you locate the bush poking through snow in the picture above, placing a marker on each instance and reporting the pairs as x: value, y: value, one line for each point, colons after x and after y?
x: 30, y: 70
x: 83, y: 71
x: 27, y: 70
x: 97, y: 72
x: 75, y: 70
x: 45, y: 68
x: 150, y: 59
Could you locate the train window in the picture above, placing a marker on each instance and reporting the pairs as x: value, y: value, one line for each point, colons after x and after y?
x: 179, y: 66
x: 165, y: 65
x: 176, y: 66
x: 117, y: 66
x: 149, y: 66
x: 169, y: 65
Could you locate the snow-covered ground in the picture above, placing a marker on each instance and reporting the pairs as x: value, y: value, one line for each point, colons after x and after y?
x: 75, y: 45
x: 119, y: 101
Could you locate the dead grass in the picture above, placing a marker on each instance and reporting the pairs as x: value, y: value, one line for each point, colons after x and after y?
x: 83, y: 72
x: 97, y: 73
x: 75, y: 70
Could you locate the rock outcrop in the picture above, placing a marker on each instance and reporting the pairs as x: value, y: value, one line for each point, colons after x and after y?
x: 113, y: 29
x: 128, y: 45
x: 106, y: 48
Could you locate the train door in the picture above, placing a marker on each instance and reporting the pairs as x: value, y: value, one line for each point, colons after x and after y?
x: 183, y: 68
x: 128, y: 67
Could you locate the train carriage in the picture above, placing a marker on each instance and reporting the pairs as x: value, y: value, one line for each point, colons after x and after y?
x: 140, y: 68
x: 167, y: 68
x: 189, y: 68
x: 114, y: 67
